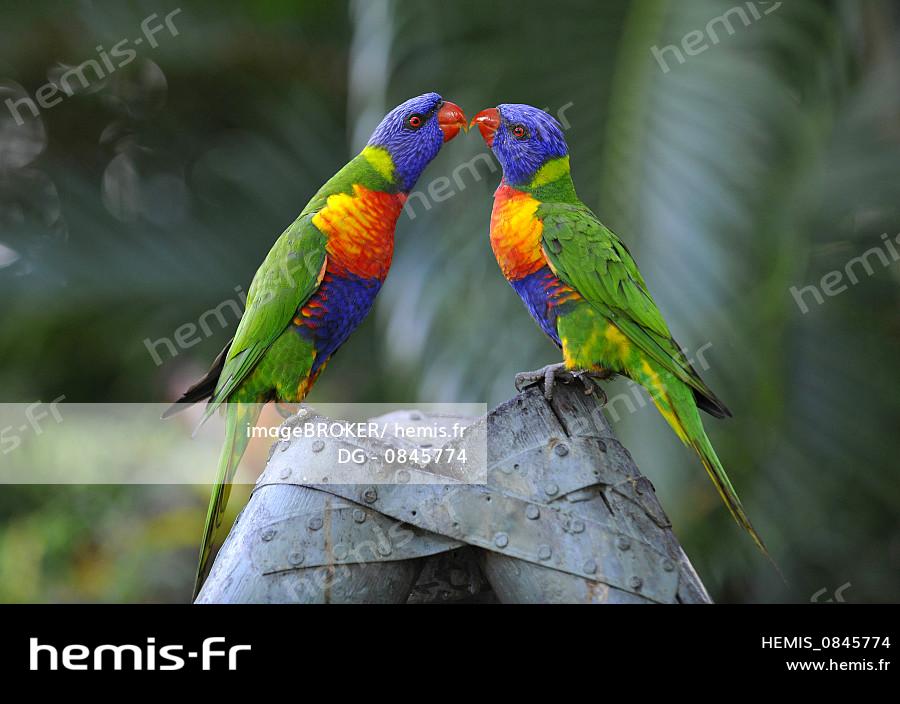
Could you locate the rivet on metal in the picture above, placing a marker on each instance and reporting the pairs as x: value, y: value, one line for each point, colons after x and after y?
x: 403, y: 476
x: 295, y: 558
x: 623, y: 543
x: 415, y: 415
x: 544, y: 552
x: 384, y: 549
x: 268, y: 535
x: 284, y: 446
x: 562, y: 449
x: 668, y: 565
x: 551, y: 489
x: 359, y: 515
x: 318, y: 445
x: 635, y: 582
x: 285, y: 473
x: 533, y: 512
x: 370, y: 496
x: 577, y: 526
x: 590, y: 567
x: 501, y: 540
x: 314, y: 523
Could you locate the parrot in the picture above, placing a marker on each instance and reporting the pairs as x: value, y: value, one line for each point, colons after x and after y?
x: 582, y: 286
x: 316, y: 285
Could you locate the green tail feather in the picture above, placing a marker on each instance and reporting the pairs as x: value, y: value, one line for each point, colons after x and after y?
x: 710, y: 460
x: 716, y: 472
x: 676, y: 402
x: 238, y: 418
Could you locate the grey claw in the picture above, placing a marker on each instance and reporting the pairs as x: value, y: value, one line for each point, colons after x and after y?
x: 549, y: 380
x: 546, y: 376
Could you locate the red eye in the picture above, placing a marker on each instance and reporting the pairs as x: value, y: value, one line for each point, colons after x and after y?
x: 415, y: 121
x: 519, y: 131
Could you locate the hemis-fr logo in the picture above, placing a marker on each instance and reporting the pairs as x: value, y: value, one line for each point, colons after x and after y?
x: 150, y: 656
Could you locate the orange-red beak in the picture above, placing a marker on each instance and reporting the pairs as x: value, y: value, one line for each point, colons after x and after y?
x: 451, y: 119
x: 488, y: 122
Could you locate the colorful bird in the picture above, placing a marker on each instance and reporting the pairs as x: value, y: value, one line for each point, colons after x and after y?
x: 317, y: 284
x: 581, y: 285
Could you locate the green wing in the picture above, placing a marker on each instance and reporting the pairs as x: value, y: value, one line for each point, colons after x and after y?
x: 287, y: 278
x: 590, y: 258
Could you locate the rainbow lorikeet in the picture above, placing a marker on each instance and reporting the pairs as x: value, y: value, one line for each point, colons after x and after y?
x: 581, y: 285
x: 317, y: 284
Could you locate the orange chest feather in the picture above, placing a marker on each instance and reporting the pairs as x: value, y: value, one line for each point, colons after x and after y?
x: 360, y: 231
x: 516, y: 233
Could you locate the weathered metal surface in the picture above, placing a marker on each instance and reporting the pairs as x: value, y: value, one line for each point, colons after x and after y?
x: 632, y: 505
x: 565, y: 516
x: 237, y: 578
x: 339, y: 536
x: 555, y: 538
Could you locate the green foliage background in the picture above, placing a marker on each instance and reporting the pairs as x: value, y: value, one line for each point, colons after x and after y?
x: 759, y: 164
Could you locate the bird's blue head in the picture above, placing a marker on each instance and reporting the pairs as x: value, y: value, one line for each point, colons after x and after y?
x: 523, y: 138
x: 413, y: 133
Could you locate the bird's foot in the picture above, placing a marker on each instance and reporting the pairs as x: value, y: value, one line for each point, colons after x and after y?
x: 591, y: 382
x: 551, y: 374
x: 545, y: 375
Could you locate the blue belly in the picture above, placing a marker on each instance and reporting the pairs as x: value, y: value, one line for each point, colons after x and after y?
x: 334, y: 311
x: 539, y: 291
